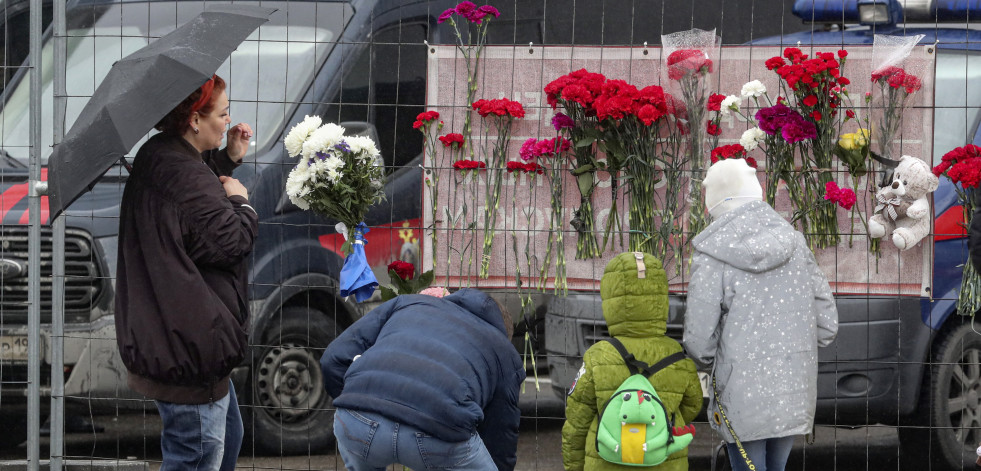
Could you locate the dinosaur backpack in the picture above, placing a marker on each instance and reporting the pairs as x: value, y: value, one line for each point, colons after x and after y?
x: 634, y: 427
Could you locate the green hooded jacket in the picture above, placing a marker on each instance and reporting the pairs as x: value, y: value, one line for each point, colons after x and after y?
x: 636, y: 312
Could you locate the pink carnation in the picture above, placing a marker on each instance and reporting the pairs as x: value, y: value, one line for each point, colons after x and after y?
x: 435, y: 291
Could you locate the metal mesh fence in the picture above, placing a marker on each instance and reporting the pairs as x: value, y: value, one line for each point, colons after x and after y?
x: 898, y: 389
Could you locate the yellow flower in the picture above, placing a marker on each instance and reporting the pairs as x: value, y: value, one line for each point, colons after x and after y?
x: 862, y: 137
x: 854, y: 140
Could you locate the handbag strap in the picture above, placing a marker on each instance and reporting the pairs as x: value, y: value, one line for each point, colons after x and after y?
x: 636, y: 366
x: 739, y: 444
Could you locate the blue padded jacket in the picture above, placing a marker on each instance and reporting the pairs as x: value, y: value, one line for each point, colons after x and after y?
x: 443, y: 365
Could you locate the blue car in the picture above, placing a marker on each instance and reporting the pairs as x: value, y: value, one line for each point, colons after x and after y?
x: 909, y: 361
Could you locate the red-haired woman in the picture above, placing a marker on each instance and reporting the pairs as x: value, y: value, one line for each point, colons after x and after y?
x: 185, y: 232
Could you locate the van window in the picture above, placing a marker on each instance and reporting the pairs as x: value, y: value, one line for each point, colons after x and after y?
x: 280, y: 56
x: 957, y: 112
x: 386, y: 86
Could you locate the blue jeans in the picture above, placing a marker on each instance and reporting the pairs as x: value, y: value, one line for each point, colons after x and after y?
x: 767, y: 455
x: 369, y: 441
x: 203, y: 437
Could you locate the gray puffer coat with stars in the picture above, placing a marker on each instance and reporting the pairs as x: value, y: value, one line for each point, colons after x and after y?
x: 758, y: 308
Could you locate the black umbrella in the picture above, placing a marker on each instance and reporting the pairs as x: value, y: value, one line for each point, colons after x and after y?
x: 139, y: 90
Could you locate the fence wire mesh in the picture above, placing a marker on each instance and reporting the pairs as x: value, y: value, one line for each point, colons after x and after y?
x: 898, y: 389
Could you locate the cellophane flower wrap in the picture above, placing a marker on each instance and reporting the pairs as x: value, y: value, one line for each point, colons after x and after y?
x: 689, y: 59
x: 895, y: 81
x: 962, y: 166
x: 339, y: 177
x: 499, y: 114
x: 575, y: 93
x: 818, y: 89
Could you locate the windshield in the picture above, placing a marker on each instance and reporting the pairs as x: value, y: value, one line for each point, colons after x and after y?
x: 957, y: 112
x: 284, y: 59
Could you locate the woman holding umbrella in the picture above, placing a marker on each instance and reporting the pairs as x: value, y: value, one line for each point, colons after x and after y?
x: 185, y: 232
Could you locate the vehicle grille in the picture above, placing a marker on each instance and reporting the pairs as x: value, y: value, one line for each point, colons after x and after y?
x: 83, y: 283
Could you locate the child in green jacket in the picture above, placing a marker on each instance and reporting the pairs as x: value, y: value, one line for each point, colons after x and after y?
x: 635, y: 306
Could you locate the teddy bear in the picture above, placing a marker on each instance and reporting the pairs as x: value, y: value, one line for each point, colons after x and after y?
x: 902, y: 207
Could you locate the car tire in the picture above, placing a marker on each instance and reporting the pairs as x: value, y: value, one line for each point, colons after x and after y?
x: 285, y: 408
x: 946, y: 429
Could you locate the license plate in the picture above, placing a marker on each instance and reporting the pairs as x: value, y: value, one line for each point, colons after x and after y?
x: 706, y: 381
x: 13, y: 348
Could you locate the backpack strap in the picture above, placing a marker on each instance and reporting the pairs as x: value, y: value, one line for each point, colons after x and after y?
x: 664, y: 363
x: 636, y: 366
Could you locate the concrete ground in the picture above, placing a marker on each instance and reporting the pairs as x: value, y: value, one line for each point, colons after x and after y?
x: 136, y: 437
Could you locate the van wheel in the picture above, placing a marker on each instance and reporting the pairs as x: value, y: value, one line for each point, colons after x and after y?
x: 289, y: 411
x: 946, y: 430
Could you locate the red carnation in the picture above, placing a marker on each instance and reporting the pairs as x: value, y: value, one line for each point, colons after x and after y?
x: 684, y: 61
x: 404, y: 270
x: 513, y: 166
x: 775, y: 62
x: 712, y: 129
x: 715, y: 102
x: 454, y: 140
x: 731, y: 151
x: 464, y: 164
x: 810, y: 100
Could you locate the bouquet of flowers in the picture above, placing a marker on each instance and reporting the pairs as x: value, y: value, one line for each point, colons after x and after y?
x: 501, y: 113
x: 553, y: 150
x: 785, y: 131
x: 466, y: 177
x: 429, y: 125
x: 530, y: 151
x: 576, y: 92
x: 402, y: 274
x: 853, y: 151
x: 637, y: 137
x: 689, y: 57
x: 475, y: 29
x: 614, y: 109
x: 732, y: 151
x: 895, y: 81
x: 339, y: 177
x: 817, y: 86
x: 962, y: 166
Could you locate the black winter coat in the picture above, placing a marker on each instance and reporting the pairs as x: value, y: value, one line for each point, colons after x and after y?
x: 181, y: 282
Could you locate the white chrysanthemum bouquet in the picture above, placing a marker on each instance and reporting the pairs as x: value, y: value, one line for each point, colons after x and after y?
x: 337, y: 176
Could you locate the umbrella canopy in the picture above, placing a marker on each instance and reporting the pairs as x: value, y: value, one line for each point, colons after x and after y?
x: 141, y: 89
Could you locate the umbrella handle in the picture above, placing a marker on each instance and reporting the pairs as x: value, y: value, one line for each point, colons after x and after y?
x: 127, y: 165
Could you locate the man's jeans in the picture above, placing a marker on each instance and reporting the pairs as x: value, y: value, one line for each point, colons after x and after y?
x: 369, y: 441
x: 202, y: 437
x: 767, y: 455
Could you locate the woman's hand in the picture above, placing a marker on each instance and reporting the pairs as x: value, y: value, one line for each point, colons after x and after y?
x: 239, y: 137
x: 233, y: 187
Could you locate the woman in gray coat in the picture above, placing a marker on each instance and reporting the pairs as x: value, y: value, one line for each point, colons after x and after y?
x: 758, y: 308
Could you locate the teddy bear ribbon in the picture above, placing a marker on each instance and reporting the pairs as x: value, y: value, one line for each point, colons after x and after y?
x: 888, y: 205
